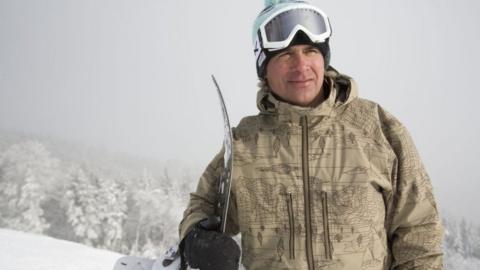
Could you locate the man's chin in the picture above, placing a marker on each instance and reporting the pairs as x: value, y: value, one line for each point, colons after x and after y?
x: 301, y: 102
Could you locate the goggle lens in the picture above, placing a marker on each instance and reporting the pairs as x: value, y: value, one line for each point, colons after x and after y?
x: 280, y: 27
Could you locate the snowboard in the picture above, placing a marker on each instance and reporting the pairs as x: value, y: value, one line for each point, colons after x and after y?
x: 169, y: 261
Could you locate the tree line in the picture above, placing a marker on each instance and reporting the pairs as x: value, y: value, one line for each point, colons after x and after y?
x: 42, y: 194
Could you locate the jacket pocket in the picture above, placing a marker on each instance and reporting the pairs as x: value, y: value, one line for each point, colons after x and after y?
x: 326, y: 226
x: 291, y: 224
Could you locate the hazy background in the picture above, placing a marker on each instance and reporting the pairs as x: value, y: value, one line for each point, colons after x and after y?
x: 133, y: 77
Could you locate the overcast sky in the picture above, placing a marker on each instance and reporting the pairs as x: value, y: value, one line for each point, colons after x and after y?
x: 134, y: 76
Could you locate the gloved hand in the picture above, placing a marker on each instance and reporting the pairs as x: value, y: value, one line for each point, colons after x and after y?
x: 208, y: 249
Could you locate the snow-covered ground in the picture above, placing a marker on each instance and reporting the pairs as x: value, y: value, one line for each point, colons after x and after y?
x: 24, y: 251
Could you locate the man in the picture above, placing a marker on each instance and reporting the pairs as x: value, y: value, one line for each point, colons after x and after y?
x: 321, y: 178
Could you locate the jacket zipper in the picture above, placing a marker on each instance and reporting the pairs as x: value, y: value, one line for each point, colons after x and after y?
x: 326, y: 228
x: 291, y: 222
x: 306, y: 193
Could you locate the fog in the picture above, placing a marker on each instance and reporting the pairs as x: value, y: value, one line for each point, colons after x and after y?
x: 134, y: 76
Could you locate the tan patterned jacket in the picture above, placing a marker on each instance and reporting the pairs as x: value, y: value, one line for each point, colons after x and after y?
x: 339, y: 186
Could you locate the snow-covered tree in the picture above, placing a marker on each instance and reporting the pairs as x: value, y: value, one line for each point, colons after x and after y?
x: 111, y: 208
x: 31, y: 218
x: 96, y: 209
x: 153, y: 215
x: 82, y: 214
x: 465, y: 238
x: 27, y: 173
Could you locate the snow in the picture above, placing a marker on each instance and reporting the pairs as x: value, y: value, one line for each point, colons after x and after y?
x: 25, y: 251
x: 458, y: 262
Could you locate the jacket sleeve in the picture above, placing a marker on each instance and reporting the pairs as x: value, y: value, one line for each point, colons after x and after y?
x: 202, y: 202
x: 414, y: 227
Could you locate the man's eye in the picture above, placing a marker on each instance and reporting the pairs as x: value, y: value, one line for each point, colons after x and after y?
x: 313, y: 50
x: 283, y: 55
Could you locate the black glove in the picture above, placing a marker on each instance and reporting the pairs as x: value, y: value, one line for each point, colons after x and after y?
x: 209, y: 249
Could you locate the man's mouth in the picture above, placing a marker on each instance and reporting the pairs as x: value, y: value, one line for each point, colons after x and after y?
x: 300, y: 81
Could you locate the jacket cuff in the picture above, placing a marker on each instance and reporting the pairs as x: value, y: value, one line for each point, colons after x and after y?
x: 189, y: 222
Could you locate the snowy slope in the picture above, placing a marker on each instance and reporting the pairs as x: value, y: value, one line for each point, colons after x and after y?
x: 23, y: 251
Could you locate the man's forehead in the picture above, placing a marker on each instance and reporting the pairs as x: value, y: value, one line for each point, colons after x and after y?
x: 299, y: 47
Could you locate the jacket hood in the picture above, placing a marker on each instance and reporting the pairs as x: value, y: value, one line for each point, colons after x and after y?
x: 340, y: 90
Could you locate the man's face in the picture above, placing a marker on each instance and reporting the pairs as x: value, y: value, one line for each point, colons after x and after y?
x: 295, y: 75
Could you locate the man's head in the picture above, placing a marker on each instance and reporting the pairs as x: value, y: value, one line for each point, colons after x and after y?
x: 292, y: 51
x: 278, y: 26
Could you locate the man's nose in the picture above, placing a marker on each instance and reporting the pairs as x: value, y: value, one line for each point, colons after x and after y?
x: 299, y: 62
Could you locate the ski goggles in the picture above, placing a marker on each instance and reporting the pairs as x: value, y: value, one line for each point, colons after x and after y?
x: 280, y: 28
